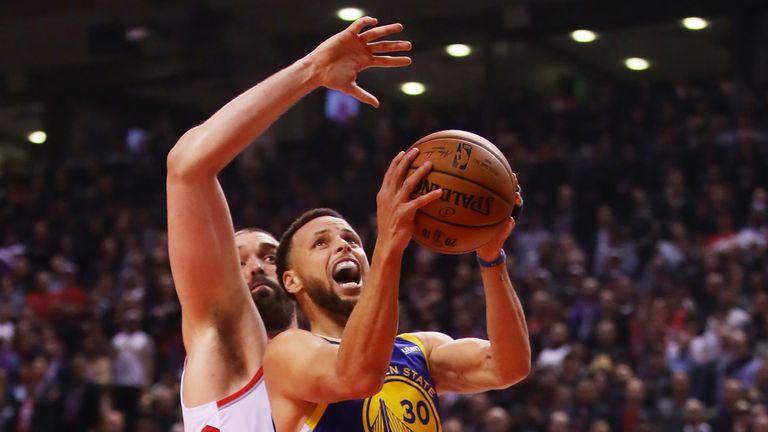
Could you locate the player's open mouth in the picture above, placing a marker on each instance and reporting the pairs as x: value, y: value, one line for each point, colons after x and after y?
x: 346, y: 273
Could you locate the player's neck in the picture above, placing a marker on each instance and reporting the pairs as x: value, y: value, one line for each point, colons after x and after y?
x: 327, y: 324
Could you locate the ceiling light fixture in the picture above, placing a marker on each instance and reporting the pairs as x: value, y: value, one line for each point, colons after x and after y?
x: 458, y: 50
x: 349, y: 13
x: 695, y: 23
x: 37, y: 137
x: 412, y: 88
x: 583, y: 36
x: 637, y: 63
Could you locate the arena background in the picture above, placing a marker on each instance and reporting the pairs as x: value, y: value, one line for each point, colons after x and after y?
x: 640, y: 258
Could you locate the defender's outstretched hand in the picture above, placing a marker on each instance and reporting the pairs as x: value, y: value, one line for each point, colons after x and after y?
x: 340, y: 58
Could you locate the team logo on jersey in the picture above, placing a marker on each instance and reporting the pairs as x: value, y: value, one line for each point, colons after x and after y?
x: 404, y: 404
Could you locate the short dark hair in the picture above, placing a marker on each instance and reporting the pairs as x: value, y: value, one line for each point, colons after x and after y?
x: 286, y: 240
x: 247, y: 230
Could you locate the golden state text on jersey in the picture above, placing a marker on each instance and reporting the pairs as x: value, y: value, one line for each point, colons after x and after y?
x: 408, y: 400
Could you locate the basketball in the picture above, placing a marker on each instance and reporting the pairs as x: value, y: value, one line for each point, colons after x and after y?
x: 478, y: 186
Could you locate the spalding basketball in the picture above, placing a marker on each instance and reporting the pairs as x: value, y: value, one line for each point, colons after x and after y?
x: 478, y: 187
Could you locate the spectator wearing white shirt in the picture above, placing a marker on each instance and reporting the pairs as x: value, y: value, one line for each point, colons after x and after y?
x: 132, y: 366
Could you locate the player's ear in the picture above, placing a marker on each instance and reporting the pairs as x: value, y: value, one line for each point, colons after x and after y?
x: 292, y: 282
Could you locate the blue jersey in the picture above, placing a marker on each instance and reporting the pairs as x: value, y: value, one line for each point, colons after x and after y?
x: 407, y: 402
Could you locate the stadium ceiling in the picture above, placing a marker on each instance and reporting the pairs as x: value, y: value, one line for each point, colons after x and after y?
x: 194, y: 55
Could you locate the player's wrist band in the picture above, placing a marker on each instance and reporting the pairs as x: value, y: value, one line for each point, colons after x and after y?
x: 502, y: 258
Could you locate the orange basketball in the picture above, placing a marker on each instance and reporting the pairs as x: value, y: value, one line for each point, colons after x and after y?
x: 478, y: 191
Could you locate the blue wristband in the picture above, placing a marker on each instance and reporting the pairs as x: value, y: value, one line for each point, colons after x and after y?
x: 501, y: 259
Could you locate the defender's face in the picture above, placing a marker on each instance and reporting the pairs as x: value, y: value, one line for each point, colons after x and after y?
x: 257, y: 262
x: 328, y: 255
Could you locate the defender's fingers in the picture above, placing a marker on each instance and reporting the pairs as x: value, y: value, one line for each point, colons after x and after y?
x: 362, y: 23
x: 389, y: 46
x: 362, y: 95
x: 389, y: 61
x: 380, y: 32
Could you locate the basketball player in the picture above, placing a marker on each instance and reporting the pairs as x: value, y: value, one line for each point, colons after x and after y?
x: 224, y: 335
x: 316, y: 384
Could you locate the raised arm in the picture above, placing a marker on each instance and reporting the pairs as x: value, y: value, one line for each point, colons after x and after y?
x: 473, y: 365
x: 356, y: 367
x: 203, y: 255
x: 220, y: 323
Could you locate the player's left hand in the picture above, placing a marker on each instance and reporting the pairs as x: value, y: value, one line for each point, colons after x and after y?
x: 490, y: 251
x: 340, y: 58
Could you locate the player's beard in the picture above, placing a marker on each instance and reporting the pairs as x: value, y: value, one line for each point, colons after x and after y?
x: 276, y: 307
x: 326, y: 298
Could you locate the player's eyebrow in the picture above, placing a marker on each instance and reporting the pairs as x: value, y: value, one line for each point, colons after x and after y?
x: 321, y: 232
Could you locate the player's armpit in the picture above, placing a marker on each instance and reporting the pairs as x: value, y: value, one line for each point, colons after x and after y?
x: 463, y: 365
x: 301, y: 366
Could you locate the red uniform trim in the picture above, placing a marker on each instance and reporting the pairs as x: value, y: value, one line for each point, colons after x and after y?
x: 234, y: 396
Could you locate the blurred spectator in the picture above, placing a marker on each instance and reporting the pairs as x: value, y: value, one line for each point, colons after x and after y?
x: 559, y: 422
x: 497, y: 419
x: 695, y: 417
x: 670, y: 408
x: 133, y: 357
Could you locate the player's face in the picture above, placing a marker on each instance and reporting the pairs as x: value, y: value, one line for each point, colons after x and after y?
x: 329, y: 258
x: 257, y: 261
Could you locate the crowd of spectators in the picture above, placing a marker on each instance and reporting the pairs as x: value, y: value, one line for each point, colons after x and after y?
x: 640, y: 259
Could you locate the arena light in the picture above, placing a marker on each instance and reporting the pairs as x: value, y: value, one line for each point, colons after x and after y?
x: 349, y: 13
x: 37, y: 137
x: 637, y: 63
x: 695, y: 23
x: 413, y: 88
x: 458, y: 50
x: 583, y: 36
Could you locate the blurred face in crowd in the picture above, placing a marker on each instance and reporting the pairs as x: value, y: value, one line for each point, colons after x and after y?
x: 497, y: 420
x: 606, y: 333
x: 732, y: 392
x: 328, y: 258
x: 635, y: 392
x: 760, y: 423
x: 587, y: 392
x: 600, y: 426
x: 453, y: 425
x: 739, y: 345
x: 558, y: 334
x: 257, y: 251
x: 558, y: 422
x: 679, y: 384
x: 694, y: 412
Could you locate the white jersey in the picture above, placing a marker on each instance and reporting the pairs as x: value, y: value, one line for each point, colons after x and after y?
x: 246, y: 410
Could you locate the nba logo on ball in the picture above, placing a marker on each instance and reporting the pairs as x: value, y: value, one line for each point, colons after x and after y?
x: 478, y: 187
x: 461, y: 157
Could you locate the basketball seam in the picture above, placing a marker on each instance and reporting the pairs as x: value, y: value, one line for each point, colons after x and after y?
x: 458, y: 224
x: 414, y: 167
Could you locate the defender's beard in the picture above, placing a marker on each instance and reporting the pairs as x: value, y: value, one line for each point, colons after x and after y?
x: 275, y: 306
